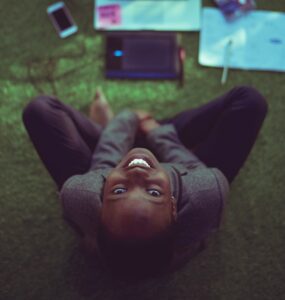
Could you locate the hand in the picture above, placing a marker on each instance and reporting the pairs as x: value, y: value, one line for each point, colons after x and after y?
x: 147, y: 122
x: 142, y: 114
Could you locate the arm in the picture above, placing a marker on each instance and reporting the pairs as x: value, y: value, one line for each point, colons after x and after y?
x: 81, y: 205
x: 201, y: 217
x: 165, y: 143
x: 115, y: 141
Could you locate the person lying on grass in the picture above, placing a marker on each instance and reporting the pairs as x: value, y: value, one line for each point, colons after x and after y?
x: 145, y: 194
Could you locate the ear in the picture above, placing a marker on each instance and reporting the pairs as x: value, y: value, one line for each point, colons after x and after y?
x: 174, y: 208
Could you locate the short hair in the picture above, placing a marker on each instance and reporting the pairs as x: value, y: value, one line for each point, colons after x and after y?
x: 135, y: 259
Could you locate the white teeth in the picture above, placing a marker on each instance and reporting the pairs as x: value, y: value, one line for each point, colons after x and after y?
x: 138, y: 162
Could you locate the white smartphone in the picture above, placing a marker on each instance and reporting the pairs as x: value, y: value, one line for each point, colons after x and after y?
x: 62, y: 19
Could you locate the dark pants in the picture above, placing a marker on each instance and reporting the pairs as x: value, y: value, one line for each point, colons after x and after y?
x: 221, y: 133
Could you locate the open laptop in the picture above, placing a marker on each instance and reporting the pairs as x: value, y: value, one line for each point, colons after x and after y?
x: 162, y: 15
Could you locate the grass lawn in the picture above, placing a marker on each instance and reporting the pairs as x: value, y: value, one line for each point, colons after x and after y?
x: 39, y: 255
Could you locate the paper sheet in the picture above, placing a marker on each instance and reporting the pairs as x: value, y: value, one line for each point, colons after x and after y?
x: 258, y: 40
x: 169, y: 15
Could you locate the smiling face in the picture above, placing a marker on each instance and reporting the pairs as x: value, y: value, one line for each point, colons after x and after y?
x: 137, y: 200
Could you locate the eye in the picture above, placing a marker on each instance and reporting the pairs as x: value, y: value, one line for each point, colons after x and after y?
x: 119, y: 191
x: 154, y: 193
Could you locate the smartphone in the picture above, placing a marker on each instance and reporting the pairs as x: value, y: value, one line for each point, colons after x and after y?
x: 61, y: 19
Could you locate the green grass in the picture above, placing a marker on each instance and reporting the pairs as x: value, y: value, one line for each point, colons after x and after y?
x: 39, y: 254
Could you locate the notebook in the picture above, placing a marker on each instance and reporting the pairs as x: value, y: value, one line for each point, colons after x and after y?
x: 162, y: 15
x: 257, y: 40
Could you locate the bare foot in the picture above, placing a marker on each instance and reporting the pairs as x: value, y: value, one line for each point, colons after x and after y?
x: 100, y: 110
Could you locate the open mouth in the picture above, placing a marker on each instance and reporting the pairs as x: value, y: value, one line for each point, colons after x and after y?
x: 139, y: 157
x: 139, y: 162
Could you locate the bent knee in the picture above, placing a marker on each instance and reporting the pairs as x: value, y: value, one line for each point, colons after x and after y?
x: 252, y: 99
x: 37, y: 107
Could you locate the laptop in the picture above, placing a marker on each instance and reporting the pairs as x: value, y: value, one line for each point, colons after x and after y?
x: 161, y: 15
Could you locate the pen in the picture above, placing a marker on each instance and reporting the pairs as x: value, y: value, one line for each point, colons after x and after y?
x: 182, y: 57
x: 226, y: 61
